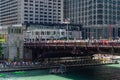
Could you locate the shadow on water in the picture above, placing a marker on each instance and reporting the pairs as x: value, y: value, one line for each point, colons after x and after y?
x: 74, y: 73
x: 95, y: 73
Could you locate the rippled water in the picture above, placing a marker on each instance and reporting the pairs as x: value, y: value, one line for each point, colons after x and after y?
x: 110, y: 72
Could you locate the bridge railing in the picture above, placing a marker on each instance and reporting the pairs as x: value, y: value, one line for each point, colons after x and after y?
x: 49, y: 44
x: 74, y: 43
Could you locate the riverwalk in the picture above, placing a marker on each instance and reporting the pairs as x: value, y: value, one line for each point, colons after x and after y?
x: 16, y: 66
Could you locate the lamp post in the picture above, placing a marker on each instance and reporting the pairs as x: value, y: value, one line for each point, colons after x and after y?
x: 28, y: 36
x: 79, y: 34
x: 83, y: 33
x: 117, y: 29
x: 67, y: 22
x: 110, y: 32
x: 67, y: 33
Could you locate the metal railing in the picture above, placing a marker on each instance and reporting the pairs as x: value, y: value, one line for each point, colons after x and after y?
x: 75, y: 43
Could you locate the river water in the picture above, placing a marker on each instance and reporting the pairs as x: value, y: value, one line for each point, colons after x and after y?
x: 109, y: 72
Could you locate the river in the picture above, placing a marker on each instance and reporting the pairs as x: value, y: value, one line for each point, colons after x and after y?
x: 109, y: 72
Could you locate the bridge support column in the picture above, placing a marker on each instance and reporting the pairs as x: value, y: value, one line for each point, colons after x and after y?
x: 98, y: 49
x: 112, y: 50
x: 27, y: 54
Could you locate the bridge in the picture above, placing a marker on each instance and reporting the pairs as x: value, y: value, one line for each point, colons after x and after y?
x: 61, y: 48
x: 69, y: 52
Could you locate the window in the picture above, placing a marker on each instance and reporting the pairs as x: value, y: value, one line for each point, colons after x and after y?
x: 42, y: 33
x: 62, y: 33
x: 26, y: 0
x: 48, y: 33
x: 37, y: 33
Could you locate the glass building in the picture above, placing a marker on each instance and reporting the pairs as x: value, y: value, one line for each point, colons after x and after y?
x: 100, y: 18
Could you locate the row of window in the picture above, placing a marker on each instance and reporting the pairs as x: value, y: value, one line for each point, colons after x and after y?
x: 42, y: 1
x: 15, y: 30
x: 98, y: 12
x: 95, y: 1
x: 47, y: 33
x: 8, y: 4
x: 45, y: 17
x: 93, y: 21
x: 42, y: 20
x: 36, y: 5
x: 42, y: 10
x: 8, y: 17
x: 41, y: 16
x: 102, y: 22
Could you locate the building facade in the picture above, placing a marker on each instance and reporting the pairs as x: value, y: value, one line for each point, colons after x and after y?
x: 38, y: 35
x: 30, y: 11
x: 66, y: 9
x: 46, y: 32
x: 100, y: 18
x: 14, y: 46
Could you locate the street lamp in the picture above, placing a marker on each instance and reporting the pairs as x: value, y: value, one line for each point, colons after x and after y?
x: 67, y: 22
x: 79, y: 34
x: 67, y: 32
x: 117, y: 30
x: 28, y: 36
x: 83, y: 33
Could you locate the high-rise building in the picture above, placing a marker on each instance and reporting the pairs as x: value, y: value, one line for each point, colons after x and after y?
x: 30, y: 11
x: 100, y: 18
x: 66, y: 9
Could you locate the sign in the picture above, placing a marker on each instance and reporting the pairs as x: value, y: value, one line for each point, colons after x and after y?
x: 2, y: 38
